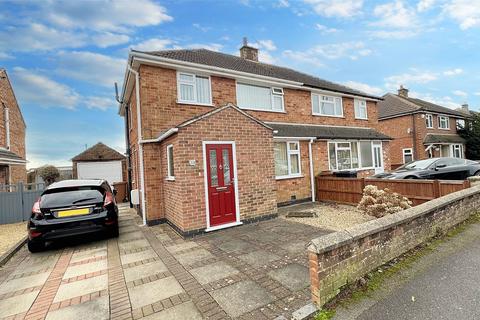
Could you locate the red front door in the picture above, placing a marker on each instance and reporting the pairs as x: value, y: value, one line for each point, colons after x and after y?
x: 221, y: 190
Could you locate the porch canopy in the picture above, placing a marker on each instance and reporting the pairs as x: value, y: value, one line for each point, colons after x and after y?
x: 443, y: 138
x: 7, y: 157
x: 283, y: 130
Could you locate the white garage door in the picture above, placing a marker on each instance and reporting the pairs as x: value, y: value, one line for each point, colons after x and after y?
x: 108, y: 170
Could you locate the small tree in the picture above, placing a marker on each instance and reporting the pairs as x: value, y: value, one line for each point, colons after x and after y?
x: 471, y: 133
x: 49, y: 174
x: 378, y: 203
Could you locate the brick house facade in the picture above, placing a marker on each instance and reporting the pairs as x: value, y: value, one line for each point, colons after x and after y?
x: 278, y: 145
x: 12, y: 135
x: 419, y: 129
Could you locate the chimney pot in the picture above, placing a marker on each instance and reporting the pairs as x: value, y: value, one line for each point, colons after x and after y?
x: 403, y: 92
x: 465, y: 107
x: 247, y: 52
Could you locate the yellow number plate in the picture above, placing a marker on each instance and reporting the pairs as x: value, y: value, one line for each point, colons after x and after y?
x: 75, y: 212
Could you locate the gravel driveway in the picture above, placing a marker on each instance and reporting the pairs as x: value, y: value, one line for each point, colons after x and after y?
x: 10, y: 234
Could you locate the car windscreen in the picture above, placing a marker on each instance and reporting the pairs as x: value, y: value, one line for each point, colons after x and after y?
x: 67, y: 197
x: 420, y: 164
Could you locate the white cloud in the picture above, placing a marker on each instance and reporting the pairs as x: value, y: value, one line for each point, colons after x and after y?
x: 266, y: 57
x: 445, y: 101
x: 304, y: 57
x: 200, y: 27
x: 460, y: 93
x: 325, y: 29
x: 395, y: 34
x: 108, y: 39
x: 101, y: 103
x: 104, y: 16
x: 208, y: 46
x: 453, y: 72
x: 407, y: 79
x: 477, y: 93
x: 395, y: 15
x: 336, y: 8
x: 5, y: 56
x: 91, y: 67
x: 282, y: 4
x: 153, y: 44
x: 40, y: 90
x: 465, y: 12
x: 365, y: 87
x: 267, y: 45
x: 424, y: 5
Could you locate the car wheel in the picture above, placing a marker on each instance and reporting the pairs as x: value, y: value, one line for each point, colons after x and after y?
x: 36, y: 246
x: 477, y: 173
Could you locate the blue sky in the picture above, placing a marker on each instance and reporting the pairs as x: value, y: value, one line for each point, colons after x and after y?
x: 63, y: 57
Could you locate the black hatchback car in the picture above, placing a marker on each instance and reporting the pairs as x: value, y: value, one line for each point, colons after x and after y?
x: 435, y: 168
x: 72, y: 208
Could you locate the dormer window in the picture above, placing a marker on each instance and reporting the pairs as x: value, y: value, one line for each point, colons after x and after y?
x: 193, y: 89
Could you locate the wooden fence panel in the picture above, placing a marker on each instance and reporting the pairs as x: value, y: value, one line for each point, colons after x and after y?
x: 350, y: 190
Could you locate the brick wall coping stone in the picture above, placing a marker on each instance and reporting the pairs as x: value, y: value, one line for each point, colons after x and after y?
x: 338, y: 239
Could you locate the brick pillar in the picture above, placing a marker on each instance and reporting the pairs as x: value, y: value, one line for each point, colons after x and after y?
x: 314, y: 280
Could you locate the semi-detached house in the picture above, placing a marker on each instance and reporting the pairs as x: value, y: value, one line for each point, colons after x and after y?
x: 219, y: 140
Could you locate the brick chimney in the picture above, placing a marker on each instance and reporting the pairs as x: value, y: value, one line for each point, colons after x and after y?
x: 247, y: 52
x: 403, y: 92
x: 465, y: 108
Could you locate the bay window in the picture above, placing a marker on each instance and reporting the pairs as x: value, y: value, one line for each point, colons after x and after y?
x: 287, y: 159
x: 360, y: 106
x: 193, y: 88
x: 323, y: 105
x: 260, y: 98
x: 349, y: 155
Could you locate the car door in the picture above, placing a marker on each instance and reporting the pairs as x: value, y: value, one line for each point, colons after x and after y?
x: 448, y: 169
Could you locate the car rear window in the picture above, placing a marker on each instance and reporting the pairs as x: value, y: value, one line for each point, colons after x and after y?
x: 67, y: 197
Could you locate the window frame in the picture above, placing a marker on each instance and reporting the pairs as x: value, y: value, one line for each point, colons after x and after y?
x: 318, y: 95
x: 429, y: 119
x: 195, y: 98
x: 289, y: 167
x: 355, y: 103
x: 404, y: 153
x: 170, y: 166
x: 460, y: 149
x: 359, y: 154
x: 272, y: 95
x: 440, y: 121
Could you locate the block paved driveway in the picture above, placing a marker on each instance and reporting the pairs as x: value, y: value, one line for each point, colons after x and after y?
x: 256, y: 271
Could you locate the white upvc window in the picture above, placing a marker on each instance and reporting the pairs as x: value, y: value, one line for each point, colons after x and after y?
x: 443, y: 122
x: 457, y: 151
x: 429, y: 120
x: 323, y: 105
x: 170, y: 166
x: 360, y: 106
x: 348, y: 155
x: 194, y: 89
x: 407, y: 155
x: 260, y: 98
x: 287, y: 159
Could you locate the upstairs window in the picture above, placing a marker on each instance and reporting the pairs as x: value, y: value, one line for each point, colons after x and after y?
x: 443, y: 122
x: 193, y: 89
x: 260, y: 98
x: 429, y: 120
x: 323, y: 105
x: 360, y: 109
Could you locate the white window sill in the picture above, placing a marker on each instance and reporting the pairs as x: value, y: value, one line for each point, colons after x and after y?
x: 430, y: 128
x: 192, y: 103
x: 354, y: 169
x: 444, y: 129
x: 361, y: 118
x: 262, y: 110
x: 290, y: 177
x: 170, y: 178
x: 326, y: 115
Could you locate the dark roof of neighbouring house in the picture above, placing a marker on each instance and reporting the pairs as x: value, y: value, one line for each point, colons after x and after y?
x: 231, y: 62
x: 99, y: 152
x: 325, y: 132
x: 443, y: 138
x: 393, y: 106
x: 9, y: 155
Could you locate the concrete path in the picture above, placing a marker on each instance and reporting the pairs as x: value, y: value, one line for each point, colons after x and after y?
x: 257, y: 271
x: 444, y: 284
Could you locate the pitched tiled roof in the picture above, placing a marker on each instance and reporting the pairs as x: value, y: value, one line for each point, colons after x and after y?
x: 393, y: 105
x: 325, y: 132
x: 231, y: 62
x: 99, y: 152
x: 443, y: 138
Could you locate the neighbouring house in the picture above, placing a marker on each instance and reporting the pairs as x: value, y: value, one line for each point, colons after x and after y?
x: 219, y: 140
x: 100, y: 162
x: 66, y: 172
x: 12, y: 135
x: 420, y: 129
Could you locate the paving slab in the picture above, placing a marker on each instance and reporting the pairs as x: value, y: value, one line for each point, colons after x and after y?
x: 163, y: 237
x: 130, y: 236
x: 259, y: 258
x: 182, y: 311
x: 135, y: 244
x: 17, y: 304
x: 193, y: 256
x: 82, y: 287
x: 234, y: 245
x: 97, y: 309
x: 24, y: 282
x: 137, y: 256
x: 127, y: 228
x: 154, y: 291
x: 293, y: 276
x: 28, y: 266
x: 296, y: 247
x: 144, y: 270
x: 89, y: 254
x: 181, y: 246
x: 241, y: 297
x: 213, y: 272
x: 78, y: 270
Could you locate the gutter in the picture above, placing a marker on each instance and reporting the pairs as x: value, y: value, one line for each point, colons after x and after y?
x: 312, y: 178
x: 140, y: 145
x: 162, y: 137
